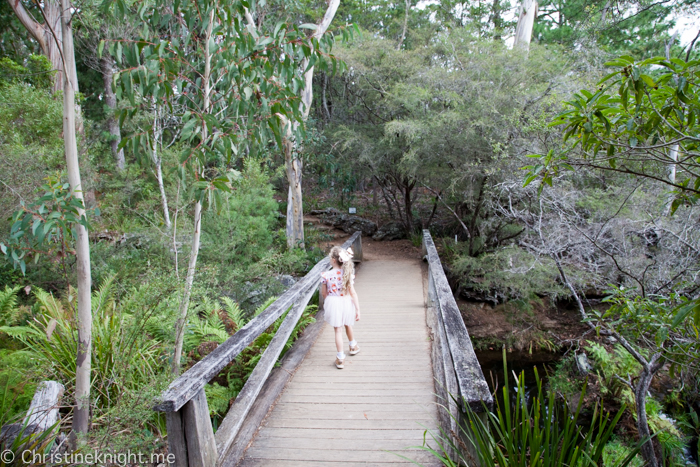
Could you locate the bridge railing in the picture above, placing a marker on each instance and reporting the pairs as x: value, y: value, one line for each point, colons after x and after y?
x: 191, y: 437
x: 458, y: 375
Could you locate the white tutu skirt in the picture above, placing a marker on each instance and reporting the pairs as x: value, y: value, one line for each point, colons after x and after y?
x: 339, y: 311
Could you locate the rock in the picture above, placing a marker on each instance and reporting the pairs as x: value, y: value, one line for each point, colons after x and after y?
x: 584, y: 366
x: 286, y: 280
x: 346, y: 222
x: 351, y: 224
x: 254, y: 294
x: 9, y: 433
x: 390, y: 231
x: 325, y: 212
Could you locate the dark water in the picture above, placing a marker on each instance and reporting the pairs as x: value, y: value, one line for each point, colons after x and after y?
x: 492, y: 365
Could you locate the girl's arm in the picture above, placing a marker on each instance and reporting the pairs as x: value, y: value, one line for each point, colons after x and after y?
x: 324, y: 290
x: 355, y: 301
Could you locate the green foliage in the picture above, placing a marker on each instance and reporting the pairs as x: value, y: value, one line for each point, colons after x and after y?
x: 31, y: 144
x: 244, y: 232
x: 615, y: 451
x: 533, y: 432
x: 45, y: 226
x: 38, y: 72
x: 246, y: 90
x: 610, y: 367
x: 632, y: 123
x: 509, y: 273
x: 637, y: 28
x: 122, y: 355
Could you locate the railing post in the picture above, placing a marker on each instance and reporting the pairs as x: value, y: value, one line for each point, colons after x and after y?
x: 176, y: 438
x: 190, y: 434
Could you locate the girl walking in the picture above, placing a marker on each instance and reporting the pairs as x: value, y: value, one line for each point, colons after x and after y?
x: 341, y: 305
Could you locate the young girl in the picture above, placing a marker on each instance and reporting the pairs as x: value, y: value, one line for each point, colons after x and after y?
x: 340, y: 300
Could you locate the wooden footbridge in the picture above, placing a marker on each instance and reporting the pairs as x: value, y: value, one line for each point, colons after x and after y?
x: 415, y: 352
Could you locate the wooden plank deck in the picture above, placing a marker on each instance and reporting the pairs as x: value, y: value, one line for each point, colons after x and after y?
x: 376, y: 407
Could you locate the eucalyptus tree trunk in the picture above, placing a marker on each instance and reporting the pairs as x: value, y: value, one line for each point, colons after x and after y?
x: 673, y: 155
x: 649, y: 369
x: 293, y: 165
x: 157, y: 162
x: 527, y: 13
x: 49, y: 36
x: 81, y: 413
x: 405, y: 25
x: 194, y: 251
x: 107, y: 67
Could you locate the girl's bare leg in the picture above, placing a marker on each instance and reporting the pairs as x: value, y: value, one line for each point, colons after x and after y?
x: 339, y: 338
x: 348, y: 331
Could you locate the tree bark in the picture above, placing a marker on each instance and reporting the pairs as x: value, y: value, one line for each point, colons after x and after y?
x: 107, y: 68
x: 405, y: 25
x: 640, y: 397
x: 194, y: 251
x: 295, y: 208
x: 157, y: 162
x: 497, y: 20
x: 189, y: 280
x: 526, y: 21
x: 81, y: 414
x: 408, y: 205
x: 49, y: 36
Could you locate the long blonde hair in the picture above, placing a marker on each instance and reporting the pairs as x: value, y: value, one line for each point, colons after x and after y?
x: 347, y: 267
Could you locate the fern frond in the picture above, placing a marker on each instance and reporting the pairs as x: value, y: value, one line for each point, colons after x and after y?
x: 234, y: 312
x: 21, y: 332
x: 103, y: 297
x: 264, y: 306
x: 48, y: 304
x: 8, y: 300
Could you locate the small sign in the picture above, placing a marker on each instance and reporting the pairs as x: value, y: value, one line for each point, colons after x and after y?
x: 353, y: 210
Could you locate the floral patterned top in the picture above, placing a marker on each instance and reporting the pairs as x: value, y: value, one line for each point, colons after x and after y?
x: 334, y: 282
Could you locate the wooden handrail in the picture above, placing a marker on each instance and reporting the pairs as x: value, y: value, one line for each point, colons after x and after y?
x: 190, y: 382
x: 190, y: 434
x: 458, y: 351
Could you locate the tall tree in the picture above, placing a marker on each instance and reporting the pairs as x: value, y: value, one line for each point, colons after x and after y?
x: 49, y: 36
x: 527, y: 13
x: 235, y: 83
x: 81, y: 414
x: 292, y: 148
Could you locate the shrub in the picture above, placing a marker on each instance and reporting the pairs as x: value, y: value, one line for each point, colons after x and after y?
x: 533, y: 432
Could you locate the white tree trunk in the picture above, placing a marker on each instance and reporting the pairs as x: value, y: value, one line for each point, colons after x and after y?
x: 194, y: 251
x: 295, y: 208
x: 527, y: 13
x: 81, y: 414
x: 157, y: 162
x: 185, y: 303
x: 673, y: 154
